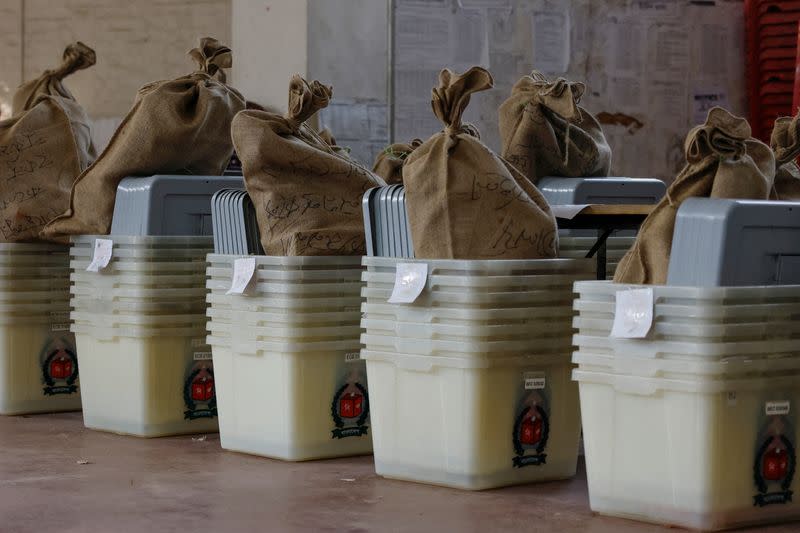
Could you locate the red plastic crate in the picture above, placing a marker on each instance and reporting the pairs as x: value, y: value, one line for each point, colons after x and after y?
x: 776, y: 101
x: 780, y: 41
x: 779, y: 76
x: 777, y: 6
x: 777, y: 30
x: 796, y: 90
x: 775, y: 87
x: 778, y: 18
x: 786, y: 65
x: 778, y: 53
x: 771, y: 64
x: 772, y: 111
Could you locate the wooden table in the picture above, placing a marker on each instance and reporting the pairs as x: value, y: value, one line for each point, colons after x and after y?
x: 605, y: 219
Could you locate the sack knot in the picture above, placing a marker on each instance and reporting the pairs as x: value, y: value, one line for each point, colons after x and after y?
x: 305, y: 99
x: 212, y: 57
x: 723, y: 134
x: 77, y: 56
x: 451, y: 97
x: 560, y: 96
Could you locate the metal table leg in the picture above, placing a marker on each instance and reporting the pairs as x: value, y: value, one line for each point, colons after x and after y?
x: 599, y: 248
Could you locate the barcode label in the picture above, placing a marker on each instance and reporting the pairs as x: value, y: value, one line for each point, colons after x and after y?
x: 60, y: 327
x: 202, y: 356
x: 349, y: 357
x: 197, y: 343
x: 535, y: 383
x: 777, y: 408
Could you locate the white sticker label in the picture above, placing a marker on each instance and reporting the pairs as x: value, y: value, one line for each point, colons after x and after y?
x: 633, y: 316
x: 536, y: 383
x: 777, y: 408
x: 732, y: 399
x: 202, y: 356
x: 409, y: 281
x: 59, y: 327
x: 243, y: 270
x: 197, y: 343
x: 352, y: 356
x: 101, y: 256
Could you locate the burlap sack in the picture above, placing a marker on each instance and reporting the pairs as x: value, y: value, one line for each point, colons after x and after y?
x: 722, y: 161
x: 389, y: 163
x: 179, y: 126
x: 785, y: 142
x: 465, y: 202
x: 77, y: 56
x: 44, y: 146
x: 42, y: 151
x: 544, y: 132
x: 327, y: 136
x: 307, y: 195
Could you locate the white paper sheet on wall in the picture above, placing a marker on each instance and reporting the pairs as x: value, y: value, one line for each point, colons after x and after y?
x: 668, y: 54
x: 551, y: 41
x: 713, y: 49
x: 423, y: 3
x: 473, y: 4
x: 498, y: 35
x: 650, y: 60
x: 628, y: 54
x: 650, y: 66
x: 704, y: 99
x: 657, y: 8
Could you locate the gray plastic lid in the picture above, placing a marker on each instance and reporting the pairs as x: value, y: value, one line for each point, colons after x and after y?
x: 719, y: 242
x: 611, y: 190
x: 386, y: 222
x: 167, y: 204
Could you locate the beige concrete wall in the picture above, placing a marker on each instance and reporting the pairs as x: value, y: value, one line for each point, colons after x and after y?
x: 11, y: 57
x: 269, y: 37
x: 136, y: 42
x: 145, y: 40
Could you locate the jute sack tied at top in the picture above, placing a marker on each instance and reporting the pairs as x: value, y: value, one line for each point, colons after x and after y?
x: 785, y: 143
x: 389, y: 163
x: 722, y: 161
x: 77, y: 56
x: 179, y: 126
x: 327, y: 136
x: 42, y: 151
x: 544, y: 132
x: 44, y: 146
x: 465, y: 202
x: 307, y: 195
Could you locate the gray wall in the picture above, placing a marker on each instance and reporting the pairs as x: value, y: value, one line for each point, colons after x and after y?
x: 348, y: 49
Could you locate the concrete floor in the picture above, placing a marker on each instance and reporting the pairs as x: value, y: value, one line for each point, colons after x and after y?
x: 55, y: 475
